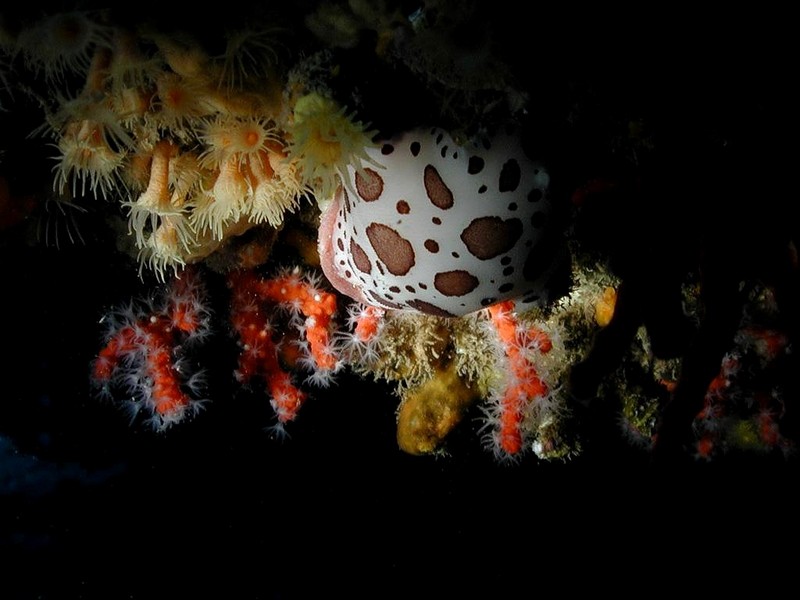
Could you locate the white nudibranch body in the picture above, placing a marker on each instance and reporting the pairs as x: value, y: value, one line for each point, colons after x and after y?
x: 441, y: 228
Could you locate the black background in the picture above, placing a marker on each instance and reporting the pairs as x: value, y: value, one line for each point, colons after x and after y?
x: 112, y: 511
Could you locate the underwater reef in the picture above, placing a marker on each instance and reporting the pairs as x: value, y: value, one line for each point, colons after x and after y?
x: 506, y: 228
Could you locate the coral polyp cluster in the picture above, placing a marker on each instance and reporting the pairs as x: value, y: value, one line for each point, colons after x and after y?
x: 302, y: 341
x: 329, y: 141
x: 145, y: 361
x: 194, y: 148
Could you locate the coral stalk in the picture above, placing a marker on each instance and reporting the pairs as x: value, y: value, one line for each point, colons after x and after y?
x: 142, y: 354
x: 524, y: 385
x: 263, y: 354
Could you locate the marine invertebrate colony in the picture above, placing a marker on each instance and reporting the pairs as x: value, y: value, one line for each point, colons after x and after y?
x: 265, y: 345
x: 144, y: 360
x: 447, y: 229
x: 192, y: 153
x: 439, y: 238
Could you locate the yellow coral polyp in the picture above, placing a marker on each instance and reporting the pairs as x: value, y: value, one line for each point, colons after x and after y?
x: 324, y: 141
x: 167, y: 245
x: 62, y: 43
x: 86, y: 156
x: 227, y: 136
x: 157, y: 196
x: 184, y: 56
x: 158, y: 218
x: 177, y: 100
x: 129, y: 67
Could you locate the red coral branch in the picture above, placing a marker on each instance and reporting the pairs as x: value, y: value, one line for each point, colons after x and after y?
x: 524, y: 385
x: 141, y: 357
x: 264, y: 352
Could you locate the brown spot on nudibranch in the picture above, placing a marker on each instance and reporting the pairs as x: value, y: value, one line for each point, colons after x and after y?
x: 415, y: 148
x: 455, y: 283
x: 346, y: 202
x: 431, y: 246
x: 438, y: 192
x: 510, y: 176
x: 383, y: 301
x: 475, y: 165
x: 369, y: 184
x: 487, y: 237
x: 428, y: 308
x: 392, y: 249
x: 403, y: 207
x: 360, y: 258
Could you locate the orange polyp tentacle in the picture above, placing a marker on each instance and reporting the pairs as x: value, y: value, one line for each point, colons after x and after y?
x: 526, y: 385
x: 108, y: 357
x: 510, y: 422
x: 368, y: 323
x: 167, y: 394
x: 505, y: 325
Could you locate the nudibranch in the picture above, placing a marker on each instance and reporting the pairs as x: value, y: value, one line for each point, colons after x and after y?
x: 441, y: 228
